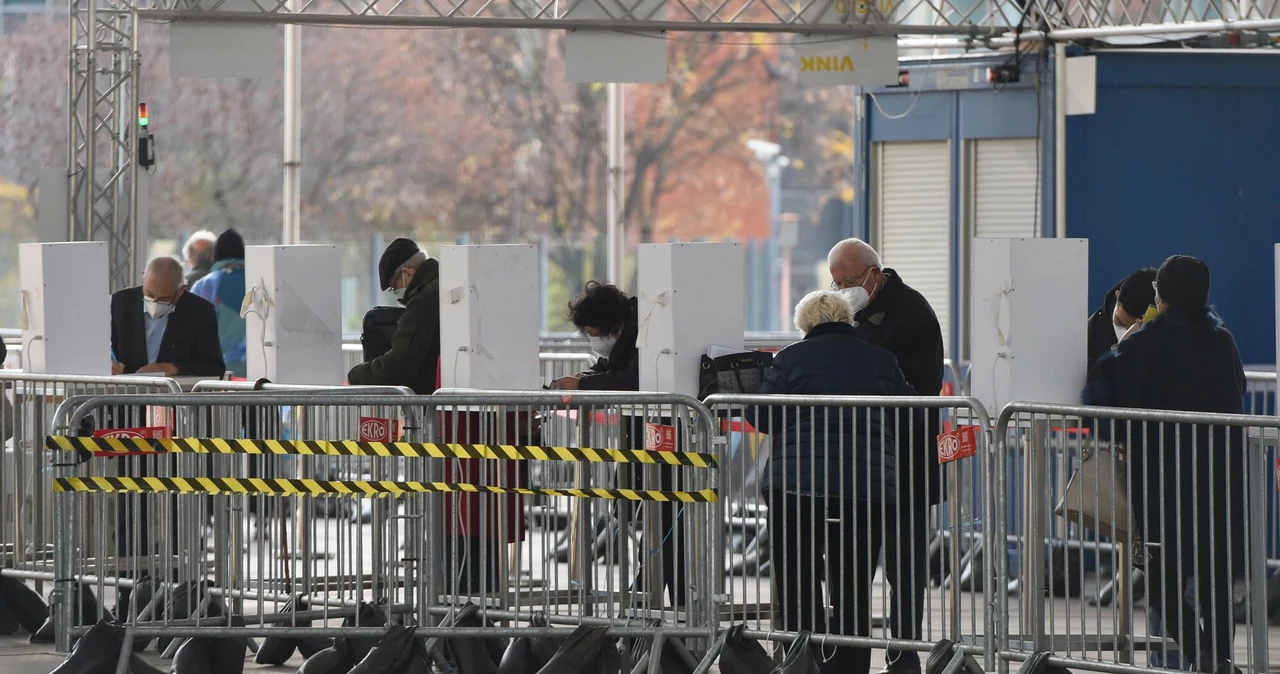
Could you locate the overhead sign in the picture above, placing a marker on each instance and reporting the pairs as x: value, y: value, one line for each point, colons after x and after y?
x: 861, y: 61
x: 612, y: 56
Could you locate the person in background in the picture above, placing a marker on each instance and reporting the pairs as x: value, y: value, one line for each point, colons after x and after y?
x: 894, y: 316
x: 224, y: 288
x: 1123, y: 306
x: 1186, y: 481
x: 831, y: 478
x: 159, y: 328
x: 414, y: 279
x: 608, y: 318
x: 197, y: 255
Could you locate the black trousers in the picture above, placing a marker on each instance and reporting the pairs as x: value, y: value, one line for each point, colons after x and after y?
x: 906, y: 564
x: 474, y: 565
x: 1209, y: 601
x: 831, y: 540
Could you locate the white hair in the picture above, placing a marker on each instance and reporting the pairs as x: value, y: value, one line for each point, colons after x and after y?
x: 861, y: 249
x: 203, y: 235
x: 822, y: 306
x: 167, y: 268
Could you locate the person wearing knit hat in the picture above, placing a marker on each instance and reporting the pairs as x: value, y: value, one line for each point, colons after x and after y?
x: 224, y: 287
x: 1184, y: 480
x: 414, y: 279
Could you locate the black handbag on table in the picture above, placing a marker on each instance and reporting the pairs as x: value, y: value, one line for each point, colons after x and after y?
x: 740, y: 373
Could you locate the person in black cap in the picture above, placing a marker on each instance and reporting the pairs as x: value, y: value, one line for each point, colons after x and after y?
x: 1123, y: 306
x: 1186, y: 481
x: 415, y: 347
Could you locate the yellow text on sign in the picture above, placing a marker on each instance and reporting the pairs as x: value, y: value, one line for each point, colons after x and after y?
x: 826, y: 64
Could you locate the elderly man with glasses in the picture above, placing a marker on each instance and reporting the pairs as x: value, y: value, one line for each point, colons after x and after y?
x: 898, y: 318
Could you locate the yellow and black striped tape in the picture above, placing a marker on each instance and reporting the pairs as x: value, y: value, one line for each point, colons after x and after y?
x: 398, y: 449
x: 357, y: 488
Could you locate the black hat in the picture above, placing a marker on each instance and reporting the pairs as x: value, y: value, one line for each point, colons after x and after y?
x: 229, y: 246
x: 397, y: 253
x: 1183, y: 282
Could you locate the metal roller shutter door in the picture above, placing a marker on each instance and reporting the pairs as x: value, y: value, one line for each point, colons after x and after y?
x: 1006, y: 197
x: 914, y: 224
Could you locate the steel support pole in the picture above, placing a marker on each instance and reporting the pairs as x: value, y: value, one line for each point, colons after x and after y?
x: 1060, y: 139
x: 615, y: 129
x: 292, y: 231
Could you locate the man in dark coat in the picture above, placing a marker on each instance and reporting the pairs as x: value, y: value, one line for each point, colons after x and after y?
x: 1123, y: 306
x: 160, y: 328
x: 1186, y: 481
x: 415, y: 347
x: 898, y: 318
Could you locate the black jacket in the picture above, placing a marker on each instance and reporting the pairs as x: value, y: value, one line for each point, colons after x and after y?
x: 190, y: 339
x: 415, y: 345
x: 1102, y: 336
x: 1183, y: 478
x: 847, y: 452
x: 900, y: 319
x: 621, y: 370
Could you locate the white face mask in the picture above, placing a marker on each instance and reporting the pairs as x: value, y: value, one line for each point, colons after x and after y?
x: 1120, y: 329
x: 155, y: 308
x: 857, y: 297
x: 602, y: 345
x: 399, y: 294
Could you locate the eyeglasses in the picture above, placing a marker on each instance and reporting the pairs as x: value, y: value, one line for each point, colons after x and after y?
x: 1154, y: 288
x: 853, y: 282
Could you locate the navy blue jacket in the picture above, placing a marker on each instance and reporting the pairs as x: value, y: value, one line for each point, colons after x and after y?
x: 845, y: 452
x: 1184, y: 480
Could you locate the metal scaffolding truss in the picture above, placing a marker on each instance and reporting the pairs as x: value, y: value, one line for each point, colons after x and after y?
x: 104, y: 178
x: 973, y: 18
x: 102, y: 98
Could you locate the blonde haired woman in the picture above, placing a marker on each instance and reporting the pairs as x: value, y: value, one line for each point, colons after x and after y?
x: 832, y: 474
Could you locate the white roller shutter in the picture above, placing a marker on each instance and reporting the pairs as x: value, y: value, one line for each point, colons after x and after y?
x: 1005, y: 193
x: 914, y: 220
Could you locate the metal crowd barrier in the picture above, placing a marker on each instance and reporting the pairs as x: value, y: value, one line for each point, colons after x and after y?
x: 822, y: 546
x: 27, y: 406
x: 1260, y: 392
x: 1198, y: 503
x: 462, y: 511
x: 557, y: 365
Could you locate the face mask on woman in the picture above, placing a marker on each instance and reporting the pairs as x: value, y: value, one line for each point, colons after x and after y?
x: 602, y: 345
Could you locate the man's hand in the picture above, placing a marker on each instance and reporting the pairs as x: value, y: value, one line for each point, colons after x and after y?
x: 166, y: 369
x: 116, y: 368
x: 566, y: 383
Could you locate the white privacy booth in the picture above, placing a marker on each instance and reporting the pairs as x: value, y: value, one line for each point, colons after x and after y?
x: 66, y: 308
x: 691, y: 298
x: 489, y: 317
x: 1027, y: 324
x: 293, y: 314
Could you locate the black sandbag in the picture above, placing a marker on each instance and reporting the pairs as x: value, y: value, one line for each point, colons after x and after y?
x: 801, y: 657
x: 390, y: 654
x: 526, y: 655
x: 335, y: 659
x: 358, y: 647
x: 23, y: 603
x: 276, y: 650
x: 309, y: 646
x: 83, y: 595
x: 8, y: 622
x: 138, y: 666
x: 185, y: 603
x: 588, y: 650
x: 142, y: 596
x: 419, y: 662
x: 207, y: 655
x: 741, y: 655
x: 96, y: 653
x: 543, y: 648
x: 473, y: 655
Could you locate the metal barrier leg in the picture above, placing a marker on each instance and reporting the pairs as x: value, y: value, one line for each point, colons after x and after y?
x: 1124, y: 605
x: 1257, y: 557
x: 1035, y: 472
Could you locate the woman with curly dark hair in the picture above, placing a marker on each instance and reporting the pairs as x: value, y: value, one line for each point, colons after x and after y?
x: 608, y: 318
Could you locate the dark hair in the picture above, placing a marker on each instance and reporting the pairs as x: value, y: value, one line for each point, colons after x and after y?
x: 600, y: 306
x: 1136, y: 293
x: 1184, y: 282
x: 228, y: 247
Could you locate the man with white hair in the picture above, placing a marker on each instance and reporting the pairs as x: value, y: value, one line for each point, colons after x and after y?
x: 898, y: 318
x: 160, y: 328
x: 197, y: 254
